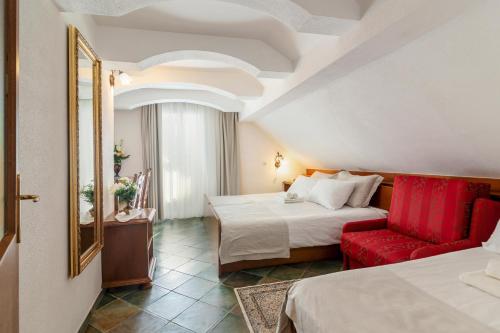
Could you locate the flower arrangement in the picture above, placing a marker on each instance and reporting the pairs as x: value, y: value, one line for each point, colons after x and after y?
x: 119, y: 153
x: 125, y: 190
x: 87, y: 194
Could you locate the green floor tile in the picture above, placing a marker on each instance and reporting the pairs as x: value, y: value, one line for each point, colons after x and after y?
x: 142, y: 322
x: 232, y: 324
x: 200, y: 317
x: 145, y: 297
x: 220, y: 296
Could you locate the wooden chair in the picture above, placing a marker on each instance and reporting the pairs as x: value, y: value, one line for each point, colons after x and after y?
x: 142, y: 179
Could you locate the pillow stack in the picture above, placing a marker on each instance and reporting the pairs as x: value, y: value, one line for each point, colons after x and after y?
x: 364, y: 189
x: 331, y: 193
x: 334, y: 191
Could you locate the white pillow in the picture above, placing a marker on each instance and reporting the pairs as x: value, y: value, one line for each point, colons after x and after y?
x: 493, y: 244
x: 364, y: 189
x: 322, y: 175
x: 302, y: 186
x: 330, y: 193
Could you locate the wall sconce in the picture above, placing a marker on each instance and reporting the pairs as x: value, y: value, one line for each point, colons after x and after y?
x: 124, y: 78
x: 277, y: 160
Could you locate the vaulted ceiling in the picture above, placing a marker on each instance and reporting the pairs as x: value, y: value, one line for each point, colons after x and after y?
x: 316, y: 74
x: 233, y: 49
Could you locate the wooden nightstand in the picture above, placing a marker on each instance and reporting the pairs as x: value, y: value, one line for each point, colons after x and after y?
x: 127, y: 257
x: 287, y: 184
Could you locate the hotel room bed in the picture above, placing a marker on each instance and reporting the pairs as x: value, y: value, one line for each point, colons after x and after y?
x: 424, y: 295
x: 262, y: 226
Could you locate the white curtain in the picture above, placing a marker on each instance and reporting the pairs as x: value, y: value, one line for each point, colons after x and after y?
x: 188, y: 154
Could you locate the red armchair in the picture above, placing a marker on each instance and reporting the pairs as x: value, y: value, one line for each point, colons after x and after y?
x: 428, y: 216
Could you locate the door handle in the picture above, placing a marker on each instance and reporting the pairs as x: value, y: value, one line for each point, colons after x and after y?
x: 19, y: 197
x: 32, y: 197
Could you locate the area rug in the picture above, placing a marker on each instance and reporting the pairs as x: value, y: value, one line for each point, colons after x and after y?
x: 261, y: 305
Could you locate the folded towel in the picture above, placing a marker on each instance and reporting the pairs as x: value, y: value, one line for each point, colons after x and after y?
x: 123, y: 217
x: 493, y: 268
x: 493, y: 244
x: 292, y: 196
x: 287, y: 201
x: 481, y: 281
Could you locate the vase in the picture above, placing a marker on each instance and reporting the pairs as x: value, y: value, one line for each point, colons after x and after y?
x: 117, y: 169
x: 126, y: 207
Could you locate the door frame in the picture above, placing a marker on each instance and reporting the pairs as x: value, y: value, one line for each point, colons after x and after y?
x: 11, y: 103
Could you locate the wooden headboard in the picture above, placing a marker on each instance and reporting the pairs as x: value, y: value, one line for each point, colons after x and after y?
x: 382, y: 198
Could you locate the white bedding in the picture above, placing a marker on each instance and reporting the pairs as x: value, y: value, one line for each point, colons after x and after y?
x: 308, y: 224
x: 313, y: 307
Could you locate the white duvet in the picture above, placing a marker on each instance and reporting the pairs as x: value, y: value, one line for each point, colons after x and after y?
x: 247, y: 218
x: 417, y: 296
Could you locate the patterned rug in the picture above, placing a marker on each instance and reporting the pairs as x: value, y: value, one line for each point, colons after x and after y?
x: 261, y: 305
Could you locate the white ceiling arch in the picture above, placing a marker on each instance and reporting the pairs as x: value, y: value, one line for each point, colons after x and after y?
x: 141, y: 97
x: 172, y: 56
x: 290, y: 13
x: 220, y: 81
x: 150, y: 48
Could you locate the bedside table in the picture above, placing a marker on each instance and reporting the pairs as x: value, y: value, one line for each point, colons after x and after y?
x: 287, y: 184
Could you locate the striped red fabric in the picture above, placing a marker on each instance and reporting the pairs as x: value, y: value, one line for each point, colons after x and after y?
x: 432, y: 209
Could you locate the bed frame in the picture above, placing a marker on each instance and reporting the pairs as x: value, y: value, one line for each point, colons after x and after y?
x: 381, y: 199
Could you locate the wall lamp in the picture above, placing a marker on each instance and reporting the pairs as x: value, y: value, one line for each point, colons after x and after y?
x: 124, y: 78
x: 277, y: 160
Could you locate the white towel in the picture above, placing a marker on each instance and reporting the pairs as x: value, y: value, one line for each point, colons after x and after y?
x: 123, y: 217
x: 493, y: 269
x: 481, y: 281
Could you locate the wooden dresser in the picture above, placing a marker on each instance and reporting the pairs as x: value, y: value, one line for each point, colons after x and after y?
x: 127, y: 256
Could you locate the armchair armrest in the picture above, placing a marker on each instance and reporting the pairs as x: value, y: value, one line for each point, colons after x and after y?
x: 365, y: 225
x: 434, y: 250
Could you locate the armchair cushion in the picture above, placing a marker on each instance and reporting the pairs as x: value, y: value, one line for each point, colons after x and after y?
x: 365, y: 225
x: 434, y: 250
x: 379, y: 247
x: 485, y: 216
x: 433, y: 209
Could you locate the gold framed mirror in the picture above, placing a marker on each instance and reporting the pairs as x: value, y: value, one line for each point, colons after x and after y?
x: 85, y: 166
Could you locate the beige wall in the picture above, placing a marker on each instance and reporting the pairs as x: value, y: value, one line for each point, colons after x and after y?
x: 49, y: 301
x: 257, y: 152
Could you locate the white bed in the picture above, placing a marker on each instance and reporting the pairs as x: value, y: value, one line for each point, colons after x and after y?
x: 417, y: 296
x: 278, y: 226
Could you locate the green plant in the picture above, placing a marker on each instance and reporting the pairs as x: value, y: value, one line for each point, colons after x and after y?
x: 87, y: 193
x: 125, y: 189
x: 119, y: 153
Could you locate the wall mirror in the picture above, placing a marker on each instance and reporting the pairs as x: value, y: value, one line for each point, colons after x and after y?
x: 84, y: 152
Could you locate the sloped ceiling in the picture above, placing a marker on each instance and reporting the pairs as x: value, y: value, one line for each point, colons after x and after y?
x: 432, y: 106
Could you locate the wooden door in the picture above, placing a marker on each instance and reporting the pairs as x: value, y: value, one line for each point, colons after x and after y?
x: 9, y: 235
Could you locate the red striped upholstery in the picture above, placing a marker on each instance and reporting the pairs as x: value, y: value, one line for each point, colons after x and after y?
x: 428, y: 216
x: 379, y: 247
x: 432, y: 209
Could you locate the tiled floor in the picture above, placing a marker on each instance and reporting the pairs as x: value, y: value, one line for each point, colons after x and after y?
x: 187, y: 295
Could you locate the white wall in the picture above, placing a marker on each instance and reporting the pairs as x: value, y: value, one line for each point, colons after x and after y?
x: 49, y: 300
x: 257, y: 152
x: 128, y: 129
x: 430, y: 107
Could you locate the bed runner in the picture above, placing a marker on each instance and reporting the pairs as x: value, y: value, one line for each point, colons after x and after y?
x: 251, y: 232
x: 360, y: 301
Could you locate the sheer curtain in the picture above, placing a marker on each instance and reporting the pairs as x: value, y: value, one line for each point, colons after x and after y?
x: 188, y: 154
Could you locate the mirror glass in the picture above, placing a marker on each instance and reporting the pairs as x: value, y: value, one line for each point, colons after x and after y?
x: 86, y: 162
x: 2, y: 118
x: 85, y: 166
